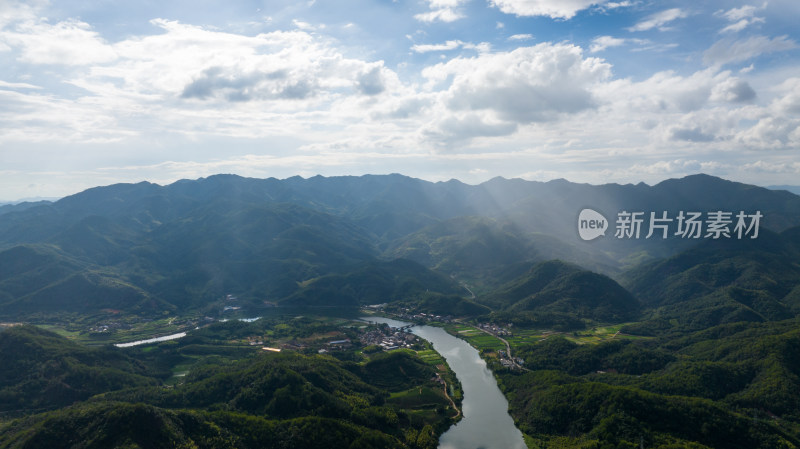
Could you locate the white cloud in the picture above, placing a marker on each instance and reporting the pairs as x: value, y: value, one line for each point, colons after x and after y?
x: 666, y: 93
x: 556, y: 9
x: 788, y: 97
x: 69, y: 42
x: 7, y: 85
x: 308, y: 104
x: 14, y: 11
x: 457, y: 128
x: 728, y: 51
x: 733, y: 90
x: 527, y: 85
x: 192, y: 81
x: 451, y: 45
x: 773, y: 167
x: 743, y: 12
x: 601, y: 43
x: 772, y: 133
x: 424, y: 48
x: 747, y: 69
x: 520, y: 37
x: 615, y: 5
x: 442, y: 11
x: 671, y: 167
x: 740, y: 18
x: 659, y: 19
x: 305, y: 26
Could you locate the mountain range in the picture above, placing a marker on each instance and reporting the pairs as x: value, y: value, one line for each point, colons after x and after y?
x: 150, y: 249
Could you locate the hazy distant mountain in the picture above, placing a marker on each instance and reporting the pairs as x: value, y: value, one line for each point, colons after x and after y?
x: 147, y: 247
x: 21, y: 205
x: 793, y: 189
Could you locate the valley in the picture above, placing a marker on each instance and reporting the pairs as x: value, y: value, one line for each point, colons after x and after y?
x: 623, y: 343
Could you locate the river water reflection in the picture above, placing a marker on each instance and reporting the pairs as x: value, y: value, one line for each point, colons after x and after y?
x: 486, y: 423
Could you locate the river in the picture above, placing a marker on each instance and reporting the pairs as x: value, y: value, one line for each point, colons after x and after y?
x: 486, y: 423
x: 151, y: 340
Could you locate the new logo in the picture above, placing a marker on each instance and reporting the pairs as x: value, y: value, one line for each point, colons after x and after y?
x: 591, y: 224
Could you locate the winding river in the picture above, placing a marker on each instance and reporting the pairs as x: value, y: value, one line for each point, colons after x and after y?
x: 486, y: 423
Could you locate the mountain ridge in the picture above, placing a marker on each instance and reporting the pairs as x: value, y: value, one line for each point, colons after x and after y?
x: 192, y: 242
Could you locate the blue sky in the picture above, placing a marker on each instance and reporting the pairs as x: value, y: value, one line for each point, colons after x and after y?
x: 98, y: 92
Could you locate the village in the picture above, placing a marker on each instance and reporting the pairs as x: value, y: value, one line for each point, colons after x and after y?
x: 388, y: 338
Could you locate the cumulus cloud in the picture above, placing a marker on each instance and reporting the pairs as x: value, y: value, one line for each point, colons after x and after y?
x: 15, y: 11
x: 664, y: 92
x: 371, y: 81
x: 788, y: 99
x: 556, y: 9
x: 729, y: 51
x: 237, y: 86
x: 773, y: 167
x: 680, y: 166
x: 771, y: 133
x: 528, y: 84
x: 309, y: 96
x: 691, y: 135
x: 194, y: 63
x: 733, y: 90
x: 659, y: 19
x: 459, y: 128
x: 181, y: 80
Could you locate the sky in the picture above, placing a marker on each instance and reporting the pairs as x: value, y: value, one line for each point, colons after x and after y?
x: 95, y: 92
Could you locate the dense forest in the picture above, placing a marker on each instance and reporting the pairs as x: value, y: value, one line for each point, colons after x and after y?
x: 66, y: 395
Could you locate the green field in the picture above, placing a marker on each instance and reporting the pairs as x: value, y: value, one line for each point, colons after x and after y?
x: 589, y: 336
x: 476, y: 337
x: 137, y: 331
x: 418, y: 397
x: 526, y: 336
x: 431, y: 357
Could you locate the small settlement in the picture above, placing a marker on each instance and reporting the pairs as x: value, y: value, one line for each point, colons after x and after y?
x: 388, y: 338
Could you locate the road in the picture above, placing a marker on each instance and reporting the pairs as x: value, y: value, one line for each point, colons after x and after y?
x: 444, y: 382
x: 508, y: 349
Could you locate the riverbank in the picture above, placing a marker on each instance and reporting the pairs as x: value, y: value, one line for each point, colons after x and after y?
x: 485, y: 422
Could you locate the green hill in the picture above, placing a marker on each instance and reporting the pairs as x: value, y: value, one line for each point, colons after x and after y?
x: 108, y: 399
x: 724, y: 281
x: 561, y: 288
x: 122, y: 425
x: 42, y: 370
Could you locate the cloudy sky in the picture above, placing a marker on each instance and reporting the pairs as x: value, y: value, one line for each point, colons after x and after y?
x: 97, y: 92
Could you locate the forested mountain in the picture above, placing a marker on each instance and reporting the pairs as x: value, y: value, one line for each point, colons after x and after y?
x: 558, y: 287
x: 42, y: 370
x: 150, y: 248
x: 724, y: 281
